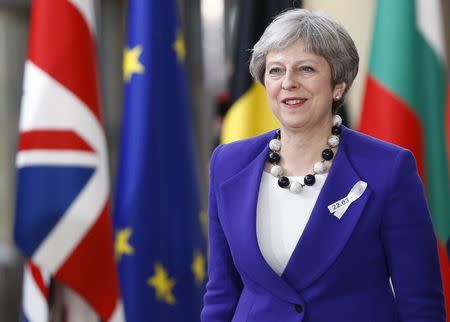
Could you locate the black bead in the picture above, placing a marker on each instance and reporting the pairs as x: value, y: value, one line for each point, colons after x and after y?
x: 278, y: 134
x: 327, y: 154
x: 283, y: 182
x: 298, y: 308
x: 309, y: 179
x: 336, y: 130
x: 274, y: 157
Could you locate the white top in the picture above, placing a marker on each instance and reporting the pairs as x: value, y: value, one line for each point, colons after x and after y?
x: 281, y: 217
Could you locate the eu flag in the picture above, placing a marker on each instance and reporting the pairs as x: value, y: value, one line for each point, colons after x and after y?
x: 159, y: 242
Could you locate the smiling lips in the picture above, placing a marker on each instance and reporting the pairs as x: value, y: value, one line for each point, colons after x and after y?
x: 294, y: 102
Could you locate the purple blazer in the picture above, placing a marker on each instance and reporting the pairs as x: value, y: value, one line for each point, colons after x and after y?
x: 340, y: 268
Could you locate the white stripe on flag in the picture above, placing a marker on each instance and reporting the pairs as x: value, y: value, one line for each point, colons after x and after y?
x: 118, y: 314
x: 34, y: 303
x: 74, y: 224
x: 56, y: 158
x: 431, y: 26
x: 48, y: 105
x: 75, y: 307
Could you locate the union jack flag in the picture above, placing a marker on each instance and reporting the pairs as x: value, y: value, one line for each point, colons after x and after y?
x: 63, y: 222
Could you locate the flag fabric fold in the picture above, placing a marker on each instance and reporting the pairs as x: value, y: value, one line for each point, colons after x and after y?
x: 405, y: 99
x: 159, y: 243
x: 63, y: 222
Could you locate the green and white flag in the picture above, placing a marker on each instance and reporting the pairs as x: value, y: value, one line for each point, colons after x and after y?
x: 405, y: 99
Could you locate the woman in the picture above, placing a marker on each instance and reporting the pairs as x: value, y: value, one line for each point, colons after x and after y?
x: 311, y: 222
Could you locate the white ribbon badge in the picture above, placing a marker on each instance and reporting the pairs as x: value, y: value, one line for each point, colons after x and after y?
x: 339, y: 207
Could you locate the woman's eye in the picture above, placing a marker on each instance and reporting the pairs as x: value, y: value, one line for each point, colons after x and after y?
x: 274, y: 70
x: 307, y: 69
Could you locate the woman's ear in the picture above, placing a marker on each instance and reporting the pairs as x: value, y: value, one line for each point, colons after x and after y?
x: 339, y: 90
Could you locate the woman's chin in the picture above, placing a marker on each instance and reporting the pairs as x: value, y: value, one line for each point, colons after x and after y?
x: 294, y: 126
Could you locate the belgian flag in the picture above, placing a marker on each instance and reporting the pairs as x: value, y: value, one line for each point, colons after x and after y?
x: 250, y: 113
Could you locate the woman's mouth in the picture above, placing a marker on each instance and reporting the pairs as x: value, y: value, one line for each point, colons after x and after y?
x: 294, y: 102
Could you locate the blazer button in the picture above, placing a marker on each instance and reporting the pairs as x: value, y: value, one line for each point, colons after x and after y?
x: 298, y: 308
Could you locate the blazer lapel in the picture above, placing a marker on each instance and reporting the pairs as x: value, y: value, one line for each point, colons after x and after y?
x: 238, y: 200
x: 325, y: 235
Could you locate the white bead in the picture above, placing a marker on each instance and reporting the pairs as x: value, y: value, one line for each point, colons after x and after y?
x: 275, y: 145
x: 333, y: 141
x: 276, y: 171
x: 319, y: 167
x: 337, y: 120
x: 295, y: 187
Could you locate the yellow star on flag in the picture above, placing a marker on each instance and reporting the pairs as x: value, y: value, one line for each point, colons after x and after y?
x: 179, y: 47
x: 122, y: 244
x: 131, y: 63
x: 198, y: 267
x: 162, y: 284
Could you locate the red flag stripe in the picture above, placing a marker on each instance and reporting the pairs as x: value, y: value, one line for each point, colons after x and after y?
x: 59, y: 33
x: 53, y: 140
x: 38, y: 278
x: 445, y: 272
x: 400, y: 125
x: 91, y: 264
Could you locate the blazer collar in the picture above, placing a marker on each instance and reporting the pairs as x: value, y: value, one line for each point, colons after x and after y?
x: 325, y: 235
x: 321, y: 242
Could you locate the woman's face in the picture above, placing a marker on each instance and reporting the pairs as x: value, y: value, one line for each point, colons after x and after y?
x: 298, y: 84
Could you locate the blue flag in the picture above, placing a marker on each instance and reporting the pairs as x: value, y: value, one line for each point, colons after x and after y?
x: 159, y: 243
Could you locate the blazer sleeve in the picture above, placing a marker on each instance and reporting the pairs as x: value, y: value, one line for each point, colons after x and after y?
x: 411, y: 246
x: 224, y: 285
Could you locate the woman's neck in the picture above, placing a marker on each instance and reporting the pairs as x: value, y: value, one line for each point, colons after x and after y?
x: 300, y: 149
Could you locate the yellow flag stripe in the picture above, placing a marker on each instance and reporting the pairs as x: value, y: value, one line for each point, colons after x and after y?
x: 250, y: 115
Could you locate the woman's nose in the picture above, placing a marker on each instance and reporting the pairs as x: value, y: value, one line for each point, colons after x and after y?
x: 289, y: 82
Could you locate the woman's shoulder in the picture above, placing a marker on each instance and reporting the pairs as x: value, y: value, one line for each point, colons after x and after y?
x: 251, y: 141
x: 244, y: 149
x: 231, y: 157
x: 373, y: 157
x: 356, y: 141
x: 377, y: 162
